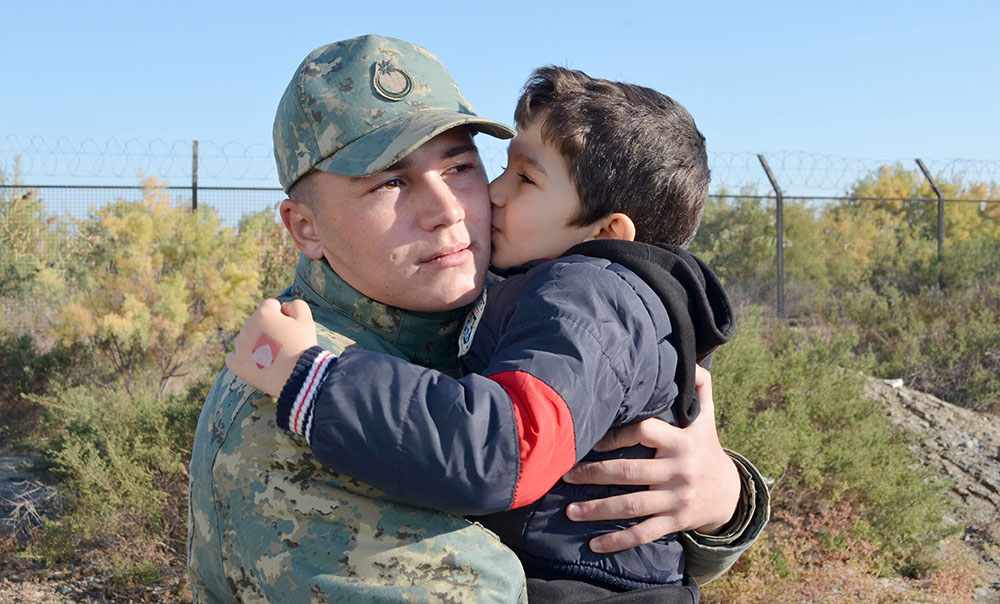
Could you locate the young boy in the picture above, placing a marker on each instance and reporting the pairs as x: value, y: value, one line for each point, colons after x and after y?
x: 557, y: 353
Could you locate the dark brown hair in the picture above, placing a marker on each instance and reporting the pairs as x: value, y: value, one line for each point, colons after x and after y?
x: 629, y: 149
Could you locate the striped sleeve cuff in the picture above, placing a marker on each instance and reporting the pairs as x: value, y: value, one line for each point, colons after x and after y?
x: 295, y: 404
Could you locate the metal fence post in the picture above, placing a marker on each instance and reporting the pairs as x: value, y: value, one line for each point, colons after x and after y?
x: 194, y: 175
x: 940, y: 213
x: 780, y: 227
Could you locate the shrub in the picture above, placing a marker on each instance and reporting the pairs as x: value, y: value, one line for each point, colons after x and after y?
x: 25, y: 371
x: 946, y: 343
x: 788, y: 400
x: 277, y: 252
x: 737, y: 239
x: 121, y: 455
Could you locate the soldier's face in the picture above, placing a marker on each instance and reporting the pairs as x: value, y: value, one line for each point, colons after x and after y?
x: 416, y: 235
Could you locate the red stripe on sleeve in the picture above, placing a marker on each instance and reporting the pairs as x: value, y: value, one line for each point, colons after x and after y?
x: 547, y: 440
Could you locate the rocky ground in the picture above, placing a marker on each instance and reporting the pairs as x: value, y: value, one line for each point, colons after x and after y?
x: 959, y: 443
x: 964, y: 446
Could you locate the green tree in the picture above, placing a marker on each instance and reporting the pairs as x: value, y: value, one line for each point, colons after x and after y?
x: 24, y: 232
x: 931, y: 322
x: 964, y: 219
x: 277, y: 253
x: 737, y: 239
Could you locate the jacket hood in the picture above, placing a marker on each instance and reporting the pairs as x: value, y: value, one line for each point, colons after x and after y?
x: 700, y: 312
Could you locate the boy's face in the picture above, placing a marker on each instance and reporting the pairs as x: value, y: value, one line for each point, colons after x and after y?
x: 533, y: 202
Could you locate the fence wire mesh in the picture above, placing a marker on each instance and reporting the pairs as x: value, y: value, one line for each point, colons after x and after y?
x: 806, y: 182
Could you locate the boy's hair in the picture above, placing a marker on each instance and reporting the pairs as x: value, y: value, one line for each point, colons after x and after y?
x: 629, y: 149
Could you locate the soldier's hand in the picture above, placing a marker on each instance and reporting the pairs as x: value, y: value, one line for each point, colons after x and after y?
x: 271, y: 341
x: 694, y: 484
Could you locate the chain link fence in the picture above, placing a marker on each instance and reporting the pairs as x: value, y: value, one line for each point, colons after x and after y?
x: 775, y: 180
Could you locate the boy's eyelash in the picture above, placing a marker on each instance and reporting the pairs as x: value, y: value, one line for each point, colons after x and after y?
x: 523, y: 177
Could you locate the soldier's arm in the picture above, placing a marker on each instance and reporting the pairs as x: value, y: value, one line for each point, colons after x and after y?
x: 709, y: 556
x: 699, y: 471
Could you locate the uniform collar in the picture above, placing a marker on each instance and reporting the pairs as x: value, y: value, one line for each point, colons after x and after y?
x: 427, y: 338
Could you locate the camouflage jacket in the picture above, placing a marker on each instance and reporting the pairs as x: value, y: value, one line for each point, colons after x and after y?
x: 269, y: 524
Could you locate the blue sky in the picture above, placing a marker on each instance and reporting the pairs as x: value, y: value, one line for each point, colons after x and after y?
x: 883, y: 80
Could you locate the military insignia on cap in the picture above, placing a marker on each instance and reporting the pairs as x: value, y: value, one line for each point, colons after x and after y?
x: 391, y: 82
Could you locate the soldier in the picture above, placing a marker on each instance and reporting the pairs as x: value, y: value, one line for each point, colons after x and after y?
x: 387, y: 200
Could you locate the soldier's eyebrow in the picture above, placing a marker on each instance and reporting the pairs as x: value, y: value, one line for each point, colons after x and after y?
x: 400, y: 165
x: 448, y: 153
x: 459, y: 150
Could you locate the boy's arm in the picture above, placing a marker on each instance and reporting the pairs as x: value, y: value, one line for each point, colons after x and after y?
x: 410, y: 431
x: 475, y: 445
x: 436, y: 452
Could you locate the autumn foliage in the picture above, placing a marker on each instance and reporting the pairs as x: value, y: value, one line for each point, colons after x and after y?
x: 869, y: 263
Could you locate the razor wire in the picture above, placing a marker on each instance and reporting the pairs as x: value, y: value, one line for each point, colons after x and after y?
x: 800, y: 172
x: 806, y: 171
x: 126, y: 159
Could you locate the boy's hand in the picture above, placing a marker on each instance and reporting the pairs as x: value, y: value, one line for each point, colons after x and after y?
x: 271, y: 342
x: 694, y: 484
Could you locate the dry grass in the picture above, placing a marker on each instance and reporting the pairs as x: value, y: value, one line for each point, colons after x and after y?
x: 24, y: 513
x: 814, y: 558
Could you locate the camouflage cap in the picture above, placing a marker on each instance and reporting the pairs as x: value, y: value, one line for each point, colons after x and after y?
x: 357, y: 106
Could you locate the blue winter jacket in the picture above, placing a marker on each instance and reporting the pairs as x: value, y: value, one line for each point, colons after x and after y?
x: 556, y: 354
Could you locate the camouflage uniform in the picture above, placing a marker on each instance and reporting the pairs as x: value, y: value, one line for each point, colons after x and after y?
x: 266, y: 522
x: 269, y: 524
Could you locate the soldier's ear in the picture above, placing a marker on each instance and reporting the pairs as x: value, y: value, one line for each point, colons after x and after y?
x: 300, y: 220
